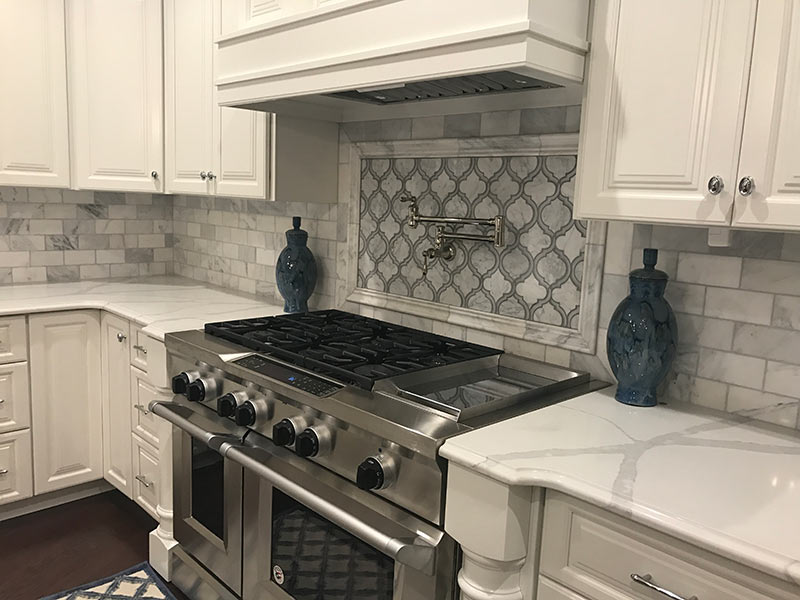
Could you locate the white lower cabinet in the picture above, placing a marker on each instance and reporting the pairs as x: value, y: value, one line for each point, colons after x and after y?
x: 590, y: 553
x: 146, y: 475
x: 66, y: 404
x: 16, y: 469
x: 116, y: 402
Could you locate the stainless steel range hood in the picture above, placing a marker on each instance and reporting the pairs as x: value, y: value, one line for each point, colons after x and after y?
x: 375, y: 59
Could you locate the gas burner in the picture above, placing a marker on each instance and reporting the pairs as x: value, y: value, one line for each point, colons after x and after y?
x: 349, y: 348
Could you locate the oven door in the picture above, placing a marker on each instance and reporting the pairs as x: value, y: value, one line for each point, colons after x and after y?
x: 207, y: 490
x: 309, y: 534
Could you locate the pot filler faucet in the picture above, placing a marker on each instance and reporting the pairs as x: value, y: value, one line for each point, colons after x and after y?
x: 441, y: 247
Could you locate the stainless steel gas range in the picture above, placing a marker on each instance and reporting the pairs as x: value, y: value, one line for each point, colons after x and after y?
x: 305, y: 452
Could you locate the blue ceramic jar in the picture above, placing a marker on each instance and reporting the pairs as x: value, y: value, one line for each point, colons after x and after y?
x: 642, y: 335
x: 296, y: 270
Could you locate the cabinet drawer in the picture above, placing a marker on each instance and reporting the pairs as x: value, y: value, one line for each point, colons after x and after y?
x: 145, y: 475
x: 139, y: 348
x: 16, y: 468
x: 144, y: 423
x: 595, y: 553
x: 13, y: 340
x: 15, y: 399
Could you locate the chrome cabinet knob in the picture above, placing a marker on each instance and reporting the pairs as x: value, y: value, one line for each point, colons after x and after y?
x: 211, y: 175
x: 121, y: 337
x: 746, y: 185
x: 715, y: 185
x: 203, y: 175
x: 3, y: 471
x: 154, y: 174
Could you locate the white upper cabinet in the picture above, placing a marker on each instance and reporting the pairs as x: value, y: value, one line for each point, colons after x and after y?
x: 34, y: 146
x: 663, y: 109
x: 209, y: 150
x: 116, y: 94
x: 771, y: 142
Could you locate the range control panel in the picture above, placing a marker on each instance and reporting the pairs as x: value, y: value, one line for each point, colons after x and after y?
x: 302, y: 381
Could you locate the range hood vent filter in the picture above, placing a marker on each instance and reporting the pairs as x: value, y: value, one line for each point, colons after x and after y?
x: 450, y: 87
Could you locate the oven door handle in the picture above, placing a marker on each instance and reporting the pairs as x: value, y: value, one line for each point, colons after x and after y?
x: 197, y: 425
x: 409, y: 550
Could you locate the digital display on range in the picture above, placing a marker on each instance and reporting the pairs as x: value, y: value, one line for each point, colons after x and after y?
x: 301, y: 381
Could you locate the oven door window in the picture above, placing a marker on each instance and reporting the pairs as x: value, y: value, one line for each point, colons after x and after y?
x: 313, y: 559
x: 208, y: 488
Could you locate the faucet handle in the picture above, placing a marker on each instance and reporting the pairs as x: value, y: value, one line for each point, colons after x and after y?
x: 413, y: 210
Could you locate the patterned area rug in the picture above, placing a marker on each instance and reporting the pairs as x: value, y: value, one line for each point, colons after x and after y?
x: 139, y: 582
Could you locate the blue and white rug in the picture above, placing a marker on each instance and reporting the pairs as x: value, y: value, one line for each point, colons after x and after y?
x: 139, y: 582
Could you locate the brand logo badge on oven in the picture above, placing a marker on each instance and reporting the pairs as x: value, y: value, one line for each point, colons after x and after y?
x: 277, y: 574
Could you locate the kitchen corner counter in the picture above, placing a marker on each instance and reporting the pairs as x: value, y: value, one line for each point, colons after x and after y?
x: 720, y: 482
x: 159, y: 304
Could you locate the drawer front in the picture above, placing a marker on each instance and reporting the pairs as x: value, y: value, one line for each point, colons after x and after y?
x: 139, y: 348
x: 15, y: 397
x: 595, y: 553
x: 144, y: 423
x: 16, y: 466
x: 145, y: 475
x: 13, y: 340
x: 550, y: 590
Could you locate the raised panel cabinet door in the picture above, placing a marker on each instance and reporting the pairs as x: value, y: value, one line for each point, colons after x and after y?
x: 116, y: 94
x: 66, y: 400
x: 15, y: 466
x: 243, y: 162
x: 188, y: 95
x: 771, y: 140
x: 34, y: 140
x: 663, y: 110
x: 116, y: 348
x: 15, y: 404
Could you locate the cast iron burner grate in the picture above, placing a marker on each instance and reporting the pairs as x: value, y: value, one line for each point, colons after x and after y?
x: 349, y: 348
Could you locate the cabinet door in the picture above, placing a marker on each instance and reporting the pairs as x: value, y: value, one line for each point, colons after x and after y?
x: 663, y: 110
x: 189, y: 95
x: 242, y: 161
x: 116, y: 94
x: 116, y: 402
x: 771, y: 140
x: 34, y: 146
x: 65, y: 399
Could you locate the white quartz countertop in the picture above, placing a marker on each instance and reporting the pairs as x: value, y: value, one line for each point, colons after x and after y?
x: 720, y: 482
x: 159, y: 304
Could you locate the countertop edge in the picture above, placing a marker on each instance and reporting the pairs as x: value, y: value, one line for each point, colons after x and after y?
x: 776, y: 565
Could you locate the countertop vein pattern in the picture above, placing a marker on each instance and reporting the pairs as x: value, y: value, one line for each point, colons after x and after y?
x: 720, y: 481
x: 159, y: 304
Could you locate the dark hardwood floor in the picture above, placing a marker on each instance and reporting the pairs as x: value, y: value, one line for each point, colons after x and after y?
x: 66, y: 546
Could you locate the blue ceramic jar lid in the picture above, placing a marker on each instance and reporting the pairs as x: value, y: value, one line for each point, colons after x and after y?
x: 649, y: 259
x: 296, y: 234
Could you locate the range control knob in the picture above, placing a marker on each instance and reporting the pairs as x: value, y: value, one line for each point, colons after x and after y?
x: 226, y: 405
x: 203, y: 389
x: 245, y: 414
x: 283, y: 433
x: 181, y: 381
x: 376, y: 473
x: 313, y: 441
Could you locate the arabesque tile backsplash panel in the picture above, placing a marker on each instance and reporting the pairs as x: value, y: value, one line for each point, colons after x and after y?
x: 535, y: 276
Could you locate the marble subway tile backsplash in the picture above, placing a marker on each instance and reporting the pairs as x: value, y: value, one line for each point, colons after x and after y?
x: 738, y: 312
x: 65, y: 235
